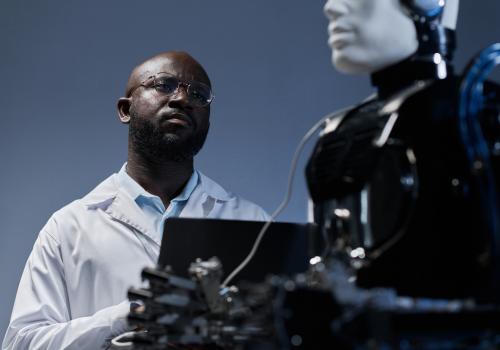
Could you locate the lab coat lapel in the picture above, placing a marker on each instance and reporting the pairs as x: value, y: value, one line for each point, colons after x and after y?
x: 125, y: 210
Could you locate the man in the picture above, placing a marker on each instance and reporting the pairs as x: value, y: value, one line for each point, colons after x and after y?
x: 72, y: 293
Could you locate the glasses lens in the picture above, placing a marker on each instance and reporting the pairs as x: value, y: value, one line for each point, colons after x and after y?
x: 166, y: 85
x: 199, y: 93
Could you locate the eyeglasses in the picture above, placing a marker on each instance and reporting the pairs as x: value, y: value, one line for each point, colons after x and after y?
x: 199, y: 94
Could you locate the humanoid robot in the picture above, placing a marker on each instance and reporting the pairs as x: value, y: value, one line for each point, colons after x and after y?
x: 405, y: 183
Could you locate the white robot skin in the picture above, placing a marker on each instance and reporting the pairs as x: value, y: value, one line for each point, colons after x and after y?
x: 369, y: 35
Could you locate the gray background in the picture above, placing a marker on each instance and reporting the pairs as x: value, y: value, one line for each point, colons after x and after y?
x: 64, y: 63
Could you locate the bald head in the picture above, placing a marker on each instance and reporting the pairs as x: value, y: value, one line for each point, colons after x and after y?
x: 189, y: 69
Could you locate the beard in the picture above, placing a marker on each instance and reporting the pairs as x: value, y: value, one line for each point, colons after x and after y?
x: 158, y: 145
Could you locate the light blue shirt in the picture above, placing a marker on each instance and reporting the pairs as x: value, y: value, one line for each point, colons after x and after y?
x: 151, y: 205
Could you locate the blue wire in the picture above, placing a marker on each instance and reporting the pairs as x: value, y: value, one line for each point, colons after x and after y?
x: 470, y: 104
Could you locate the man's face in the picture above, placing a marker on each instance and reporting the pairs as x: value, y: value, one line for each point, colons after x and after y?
x: 163, y: 126
x: 368, y: 35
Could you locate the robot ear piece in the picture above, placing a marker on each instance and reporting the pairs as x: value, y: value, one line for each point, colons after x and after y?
x: 428, y: 9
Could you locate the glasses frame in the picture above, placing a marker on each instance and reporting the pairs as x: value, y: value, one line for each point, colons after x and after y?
x: 147, y: 84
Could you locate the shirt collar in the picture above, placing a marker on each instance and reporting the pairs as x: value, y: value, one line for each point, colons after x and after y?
x: 107, y: 191
x: 136, y: 192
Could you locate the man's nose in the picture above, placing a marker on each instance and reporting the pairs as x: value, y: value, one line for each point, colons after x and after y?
x: 180, y: 97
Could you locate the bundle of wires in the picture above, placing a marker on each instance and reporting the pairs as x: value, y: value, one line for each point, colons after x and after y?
x: 471, y: 104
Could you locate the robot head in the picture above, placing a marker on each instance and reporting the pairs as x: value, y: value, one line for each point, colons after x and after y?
x: 369, y: 35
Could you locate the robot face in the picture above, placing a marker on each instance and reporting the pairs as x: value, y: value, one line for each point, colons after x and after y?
x: 369, y: 35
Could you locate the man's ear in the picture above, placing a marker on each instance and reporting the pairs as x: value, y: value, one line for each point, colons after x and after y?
x: 124, y: 109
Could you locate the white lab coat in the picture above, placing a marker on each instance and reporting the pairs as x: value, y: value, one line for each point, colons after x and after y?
x: 72, y: 294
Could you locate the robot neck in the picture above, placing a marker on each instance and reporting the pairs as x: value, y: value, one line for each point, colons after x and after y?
x: 407, y: 72
x: 432, y: 61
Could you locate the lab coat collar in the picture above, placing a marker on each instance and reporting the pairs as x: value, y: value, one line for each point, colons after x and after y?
x: 108, y: 197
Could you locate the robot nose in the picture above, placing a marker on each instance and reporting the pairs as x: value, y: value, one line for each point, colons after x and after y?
x: 333, y: 9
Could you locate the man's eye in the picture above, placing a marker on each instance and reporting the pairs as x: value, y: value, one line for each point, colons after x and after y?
x: 167, y: 85
x: 199, y: 92
x: 198, y: 95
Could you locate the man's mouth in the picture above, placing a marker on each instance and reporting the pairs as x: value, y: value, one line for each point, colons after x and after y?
x: 177, y: 121
x: 180, y: 119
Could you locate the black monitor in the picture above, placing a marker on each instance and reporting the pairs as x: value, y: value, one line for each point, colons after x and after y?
x: 284, y: 250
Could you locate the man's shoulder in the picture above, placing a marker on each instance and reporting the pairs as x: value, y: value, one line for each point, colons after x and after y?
x: 99, y: 196
x: 77, y: 210
x: 213, y: 189
x: 235, y: 206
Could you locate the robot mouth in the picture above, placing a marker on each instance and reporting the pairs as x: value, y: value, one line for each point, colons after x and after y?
x: 339, y: 40
x: 336, y: 29
x: 339, y: 26
x: 340, y: 34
